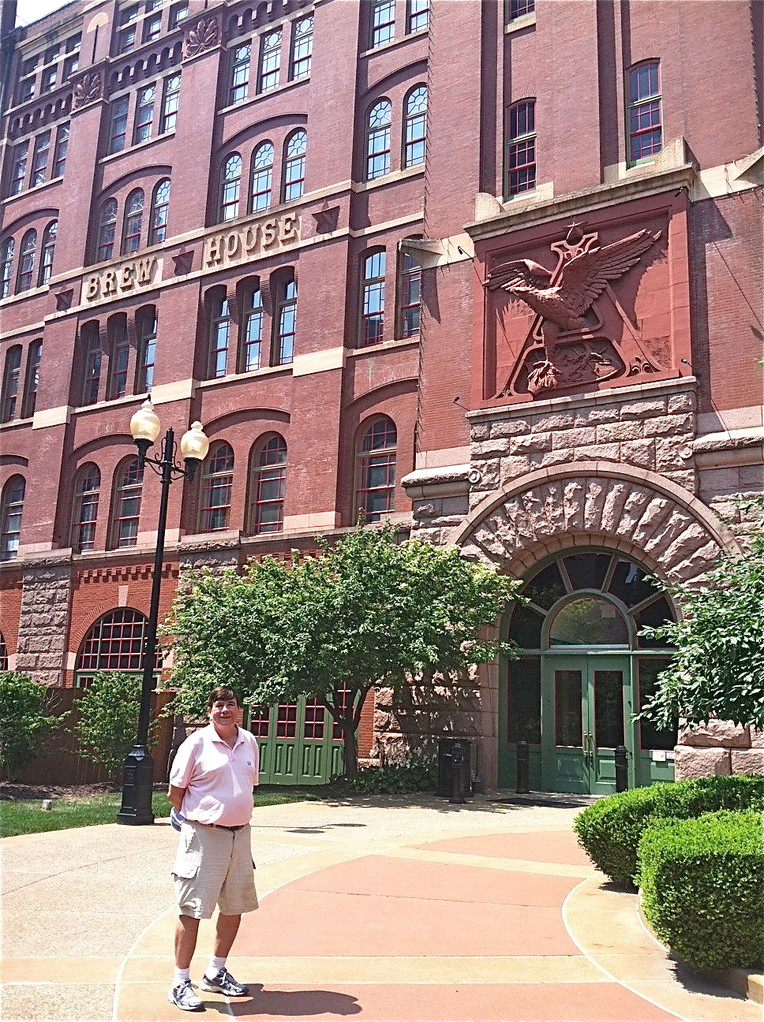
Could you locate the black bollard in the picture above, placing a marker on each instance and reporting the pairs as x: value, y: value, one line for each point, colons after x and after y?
x: 457, y: 761
x: 621, y: 768
x: 522, y: 769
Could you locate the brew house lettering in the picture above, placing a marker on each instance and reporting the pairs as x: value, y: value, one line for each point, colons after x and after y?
x: 121, y: 279
x: 247, y: 241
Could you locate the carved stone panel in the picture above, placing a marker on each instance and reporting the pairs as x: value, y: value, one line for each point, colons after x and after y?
x: 576, y: 306
x: 201, y: 36
x: 87, y: 90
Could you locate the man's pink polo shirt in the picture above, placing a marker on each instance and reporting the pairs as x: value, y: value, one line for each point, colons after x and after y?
x: 218, y: 780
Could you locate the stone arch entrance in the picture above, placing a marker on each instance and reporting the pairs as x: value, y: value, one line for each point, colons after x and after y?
x: 601, y: 506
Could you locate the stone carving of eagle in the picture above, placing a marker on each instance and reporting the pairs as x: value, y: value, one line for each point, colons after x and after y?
x: 562, y: 306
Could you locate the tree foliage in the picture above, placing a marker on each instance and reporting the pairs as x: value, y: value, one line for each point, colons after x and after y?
x: 718, y: 670
x: 25, y: 722
x: 368, y: 611
x: 108, y: 718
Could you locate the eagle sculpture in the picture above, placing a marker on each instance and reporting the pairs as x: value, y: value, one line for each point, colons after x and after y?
x: 562, y: 305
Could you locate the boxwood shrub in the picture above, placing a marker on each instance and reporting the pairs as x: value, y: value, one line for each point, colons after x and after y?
x: 610, y: 829
x: 703, y: 887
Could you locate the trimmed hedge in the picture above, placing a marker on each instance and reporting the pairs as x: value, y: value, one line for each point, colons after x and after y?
x: 609, y: 830
x: 703, y: 887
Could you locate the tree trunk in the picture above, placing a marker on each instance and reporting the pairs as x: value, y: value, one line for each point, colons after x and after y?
x: 351, y: 746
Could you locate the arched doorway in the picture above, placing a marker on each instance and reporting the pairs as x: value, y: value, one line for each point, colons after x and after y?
x: 584, y: 671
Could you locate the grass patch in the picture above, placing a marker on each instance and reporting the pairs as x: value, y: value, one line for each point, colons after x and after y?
x: 28, y: 817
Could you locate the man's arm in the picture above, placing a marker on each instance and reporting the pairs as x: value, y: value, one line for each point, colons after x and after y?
x: 176, y: 795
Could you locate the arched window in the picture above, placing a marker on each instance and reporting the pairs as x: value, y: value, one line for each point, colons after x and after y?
x: 262, y: 177
x: 47, y: 252
x: 107, y: 230
x: 32, y: 384
x: 520, y: 159
x: 87, y: 486
x: 133, y: 222
x: 11, y: 510
x: 11, y: 376
x: 160, y: 208
x: 25, y: 274
x: 126, y: 507
x: 119, y: 356
x: 295, y: 149
x: 409, y: 295
x: 270, y: 60
x: 267, y: 483
x: 6, y: 267
x: 375, y: 469
x: 372, y: 299
x: 92, y: 356
x: 217, y: 484
x: 250, y: 356
x: 147, y: 346
x: 644, y: 111
x: 285, y: 322
x: 415, y: 126
x: 378, y: 139
x: 230, y: 185
x: 220, y: 335
x: 114, y: 643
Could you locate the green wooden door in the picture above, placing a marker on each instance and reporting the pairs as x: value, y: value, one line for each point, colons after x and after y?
x: 297, y: 743
x: 586, y: 713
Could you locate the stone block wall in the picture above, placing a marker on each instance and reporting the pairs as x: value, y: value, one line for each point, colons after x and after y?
x: 44, y: 619
x: 719, y: 748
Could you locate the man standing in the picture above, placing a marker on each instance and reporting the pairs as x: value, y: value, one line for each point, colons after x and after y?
x: 211, y: 782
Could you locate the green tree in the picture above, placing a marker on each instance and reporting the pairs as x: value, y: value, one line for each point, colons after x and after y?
x: 718, y: 670
x: 368, y: 611
x: 108, y: 718
x: 25, y: 722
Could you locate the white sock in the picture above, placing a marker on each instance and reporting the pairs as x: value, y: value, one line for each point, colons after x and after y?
x: 180, y: 976
x: 216, y: 964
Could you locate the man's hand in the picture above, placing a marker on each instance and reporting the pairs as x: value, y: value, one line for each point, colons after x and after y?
x: 176, y: 796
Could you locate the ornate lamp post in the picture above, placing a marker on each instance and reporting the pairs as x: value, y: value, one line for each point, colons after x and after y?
x: 139, y: 766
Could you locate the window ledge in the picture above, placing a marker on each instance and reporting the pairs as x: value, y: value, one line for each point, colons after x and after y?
x: 388, y: 179
x: 518, y: 24
x: 372, y: 51
x: 293, y: 83
x: 16, y: 422
x: 253, y: 375
x: 34, y: 190
x: 398, y: 342
x: 138, y: 146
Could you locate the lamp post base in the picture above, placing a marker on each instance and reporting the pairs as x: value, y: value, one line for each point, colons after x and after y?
x: 137, y: 788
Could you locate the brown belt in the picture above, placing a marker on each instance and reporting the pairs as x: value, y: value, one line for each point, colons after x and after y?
x: 219, y: 826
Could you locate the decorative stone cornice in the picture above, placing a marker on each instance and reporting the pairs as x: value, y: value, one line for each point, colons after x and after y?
x: 445, y: 481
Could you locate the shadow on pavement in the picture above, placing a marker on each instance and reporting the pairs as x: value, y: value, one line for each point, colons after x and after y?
x: 293, y: 1003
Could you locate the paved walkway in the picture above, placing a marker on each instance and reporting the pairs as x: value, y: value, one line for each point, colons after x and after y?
x: 378, y: 910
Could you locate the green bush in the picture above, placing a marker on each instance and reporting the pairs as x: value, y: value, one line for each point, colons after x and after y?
x: 417, y: 774
x: 703, y: 887
x: 609, y: 830
x: 25, y: 723
x: 108, y: 719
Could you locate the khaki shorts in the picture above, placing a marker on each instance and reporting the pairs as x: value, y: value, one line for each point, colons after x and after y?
x: 214, y: 867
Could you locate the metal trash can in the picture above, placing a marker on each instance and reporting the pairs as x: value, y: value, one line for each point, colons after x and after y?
x: 447, y: 768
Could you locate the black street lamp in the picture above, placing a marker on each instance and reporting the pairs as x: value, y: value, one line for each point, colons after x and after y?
x: 139, y: 766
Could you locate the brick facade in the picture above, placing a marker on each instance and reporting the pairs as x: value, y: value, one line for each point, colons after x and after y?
x: 654, y: 398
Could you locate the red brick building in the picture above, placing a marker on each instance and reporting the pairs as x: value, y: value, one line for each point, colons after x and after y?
x: 492, y: 270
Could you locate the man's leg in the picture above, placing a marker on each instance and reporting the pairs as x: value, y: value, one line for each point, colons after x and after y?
x: 225, y: 933
x: 186, y: 932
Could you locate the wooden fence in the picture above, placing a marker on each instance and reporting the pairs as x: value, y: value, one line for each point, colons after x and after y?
x: 62, y: 763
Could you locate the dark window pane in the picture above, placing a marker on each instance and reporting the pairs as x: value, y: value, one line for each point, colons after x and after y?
x: 587, y: 571
x: 524, y: 701
x: 608, y: 709
x: 655, y: 614
x: 650, y: 736
x: 629, y: 583
x: 567, y: 708
x: 525, y: 628
x: 546, y: 588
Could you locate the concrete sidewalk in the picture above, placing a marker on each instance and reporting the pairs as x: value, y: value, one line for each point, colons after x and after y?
x: 382, y: 909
